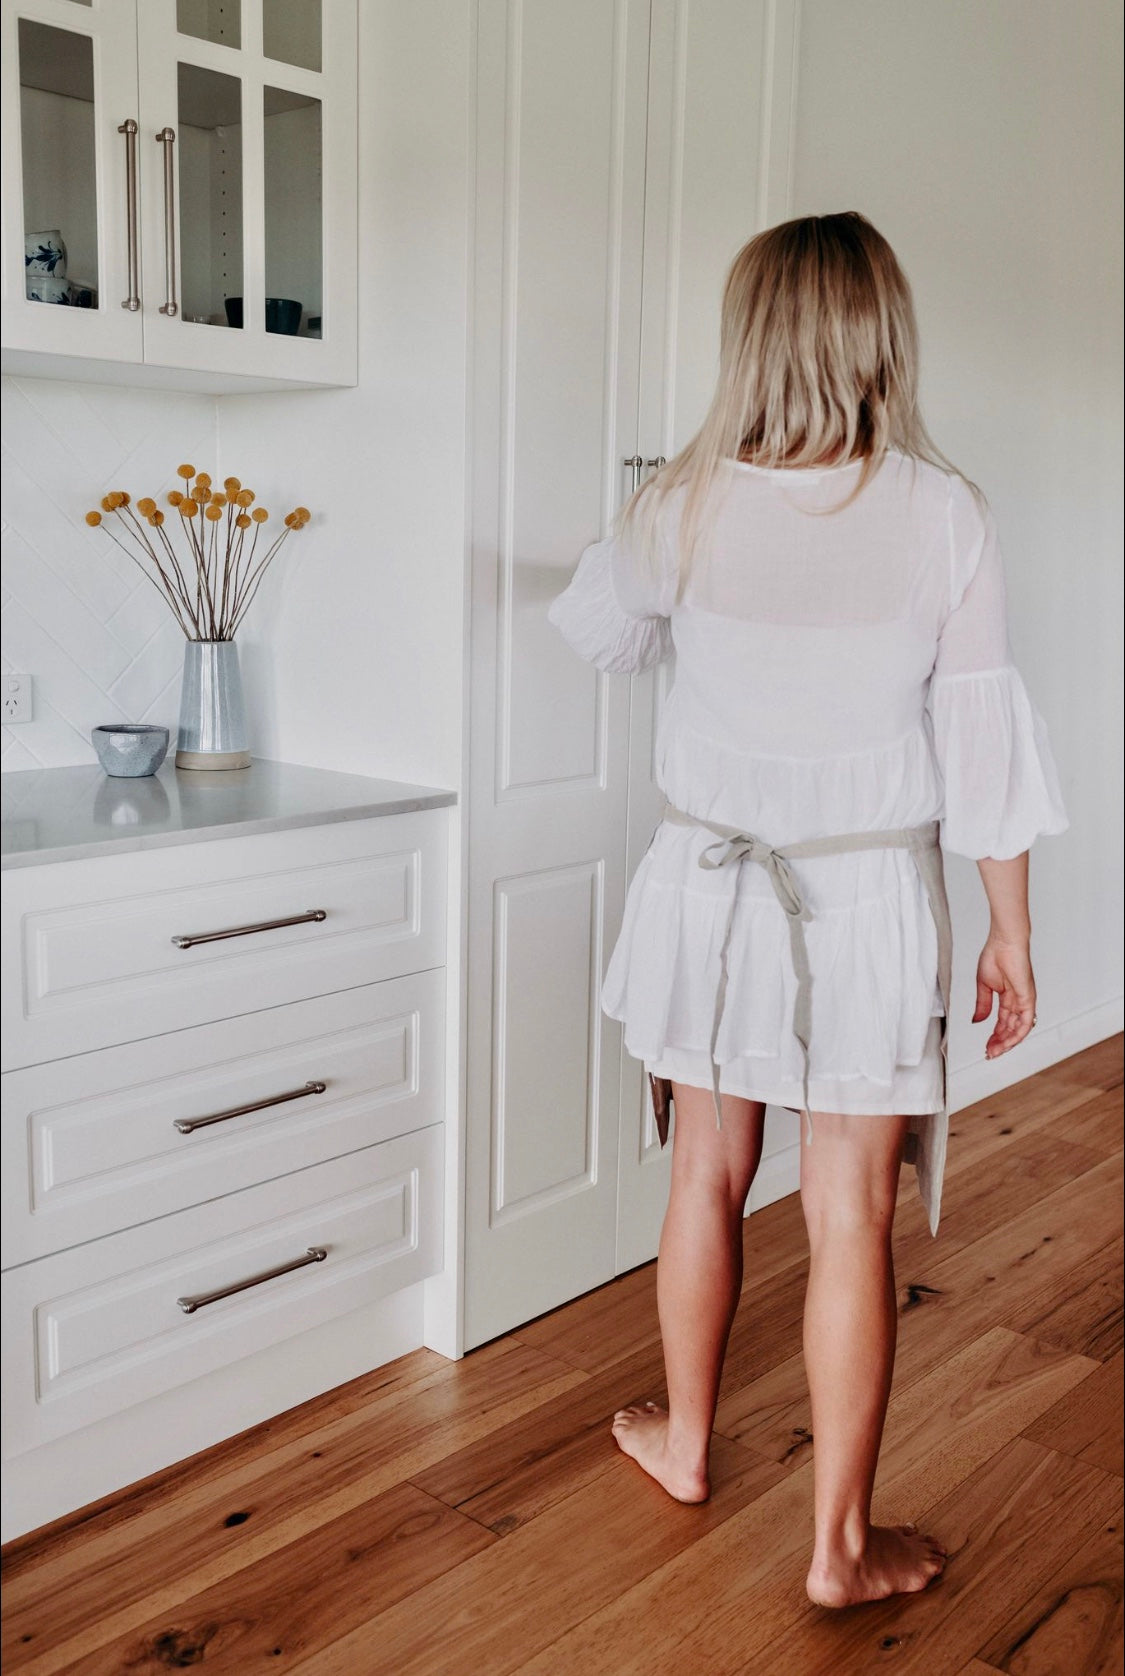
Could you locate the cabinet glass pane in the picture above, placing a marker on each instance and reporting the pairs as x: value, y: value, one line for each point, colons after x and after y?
x: 209, y: 141
x: 57, y: 134
x: 291, y: 32
x: 211, y: 20
x: 294, y: 267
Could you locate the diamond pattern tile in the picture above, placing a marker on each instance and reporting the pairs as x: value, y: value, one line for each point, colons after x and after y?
x: 77, y: 615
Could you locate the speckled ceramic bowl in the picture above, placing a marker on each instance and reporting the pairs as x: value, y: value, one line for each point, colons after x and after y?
x: 129, y: 750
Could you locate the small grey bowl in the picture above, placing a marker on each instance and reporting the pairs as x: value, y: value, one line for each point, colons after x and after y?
x: 129, y: 750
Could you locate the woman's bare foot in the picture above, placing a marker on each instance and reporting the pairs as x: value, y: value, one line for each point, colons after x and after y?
x: 642, y: 1432
x: 897, y: 1559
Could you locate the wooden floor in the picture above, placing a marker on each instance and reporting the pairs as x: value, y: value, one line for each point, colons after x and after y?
x: 475, y: 1518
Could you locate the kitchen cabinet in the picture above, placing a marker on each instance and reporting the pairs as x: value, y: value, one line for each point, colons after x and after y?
x: 624, y: 154
x: 181, y: 192
x: 224, y: 1109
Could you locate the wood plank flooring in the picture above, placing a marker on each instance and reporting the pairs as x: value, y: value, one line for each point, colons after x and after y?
x: 476, y: 1517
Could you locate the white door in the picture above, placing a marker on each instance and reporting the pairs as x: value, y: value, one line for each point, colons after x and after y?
x: 560, y: 202
x: 70, y: 85
x: 625, y: 152
x: 717, y: 171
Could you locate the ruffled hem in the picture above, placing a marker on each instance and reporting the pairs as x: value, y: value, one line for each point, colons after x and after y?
x: 590, y: 619
x: 874, y: 969
x: 1001, y: 786
x: 786, y: 800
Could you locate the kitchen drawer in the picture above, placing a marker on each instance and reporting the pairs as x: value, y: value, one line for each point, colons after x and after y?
x: 89, y: 948
x: 90, y: 1144
x: 99, y: 1328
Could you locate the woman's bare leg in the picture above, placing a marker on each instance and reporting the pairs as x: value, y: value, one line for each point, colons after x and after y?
x: 698, y: 1280
x: 849, y: 1182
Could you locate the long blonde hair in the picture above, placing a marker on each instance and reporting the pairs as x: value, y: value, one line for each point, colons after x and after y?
x: 818, y: 364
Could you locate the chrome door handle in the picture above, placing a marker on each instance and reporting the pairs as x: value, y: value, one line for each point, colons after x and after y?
x: 167, y: 139
x: 636, y: 465
x: 314, y: 1254
x: 133, y: 301
x: 658, y: 462
x: 188, y: 1125
x: 248, y: 930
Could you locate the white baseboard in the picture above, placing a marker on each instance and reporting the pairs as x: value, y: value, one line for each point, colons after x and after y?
x: 986, y: 1077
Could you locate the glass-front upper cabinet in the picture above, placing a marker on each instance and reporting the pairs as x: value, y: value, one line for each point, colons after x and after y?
x: 70, y: 132
x: 245, y: 179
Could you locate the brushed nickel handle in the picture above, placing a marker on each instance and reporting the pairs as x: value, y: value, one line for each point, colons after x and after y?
x: 636, y: 465
x: 167, y: 139
x: 133, y: 301
x: 188, y: 1125
x: 658, y: 462
x: 314, y: 1254
x: 248, y: 930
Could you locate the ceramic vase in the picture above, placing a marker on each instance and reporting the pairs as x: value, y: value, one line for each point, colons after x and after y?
x: 212, y: 713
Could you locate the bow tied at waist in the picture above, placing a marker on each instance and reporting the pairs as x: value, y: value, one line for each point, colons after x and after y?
x: 745, y: 846
x: 734, y: 847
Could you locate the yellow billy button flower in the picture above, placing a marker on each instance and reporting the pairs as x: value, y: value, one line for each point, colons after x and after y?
x: 259, y: 514
x: 232, y: 485
x: 146, y: 507
x: 243, y: 497
x: 218, y: 498
x: 214, y: 513
x: 203, y: 479
x: 156, y: 518
x: 187, y: 472
x: 108, y: 503
x: 242, y: 522
x: 188, y: 508
x: 304, y: 514
x: 175, y: 498
x: 93, y: 519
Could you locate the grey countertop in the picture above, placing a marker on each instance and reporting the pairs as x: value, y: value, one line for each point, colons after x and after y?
x: 63, y: 814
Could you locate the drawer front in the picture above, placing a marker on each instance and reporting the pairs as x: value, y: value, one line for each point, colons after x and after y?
x: 91, y: 1143
x: 92, y: 1331
x: 118, y: 948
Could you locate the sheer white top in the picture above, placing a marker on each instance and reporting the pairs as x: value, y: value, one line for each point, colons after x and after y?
x: 835, y: 671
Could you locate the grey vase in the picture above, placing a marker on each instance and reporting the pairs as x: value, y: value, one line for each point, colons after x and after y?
x: 212, y: 714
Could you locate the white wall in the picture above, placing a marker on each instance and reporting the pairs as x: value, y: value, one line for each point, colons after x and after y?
x: 983, y: 140
x: 353, y: 657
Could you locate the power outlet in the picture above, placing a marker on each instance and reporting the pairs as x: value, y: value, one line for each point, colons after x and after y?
x: 16, y: 704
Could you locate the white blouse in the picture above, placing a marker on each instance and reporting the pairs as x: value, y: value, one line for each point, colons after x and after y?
x: 835, y: 672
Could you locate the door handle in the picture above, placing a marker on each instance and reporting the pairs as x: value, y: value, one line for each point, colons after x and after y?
x: 133, y: 301
x: 167, y: 139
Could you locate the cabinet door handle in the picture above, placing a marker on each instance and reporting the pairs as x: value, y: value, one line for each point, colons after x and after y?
x: 188, y: 1125
x: 658, y: 462
x: 314, y: 1254
x: 167, y: 139
x: 636, y: 465
x: 248, y: 930
x: 129, y: 128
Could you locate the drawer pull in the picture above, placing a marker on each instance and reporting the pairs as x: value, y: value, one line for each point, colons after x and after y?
x: 188, y: 1125
x: 247, y: 930
x: 314, y: 1254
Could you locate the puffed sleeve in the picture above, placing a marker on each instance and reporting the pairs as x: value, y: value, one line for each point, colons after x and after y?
x: 1001, y: 784
x: 615, y: 612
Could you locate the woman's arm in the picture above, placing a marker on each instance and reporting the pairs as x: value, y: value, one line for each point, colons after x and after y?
x: 1004, y: 968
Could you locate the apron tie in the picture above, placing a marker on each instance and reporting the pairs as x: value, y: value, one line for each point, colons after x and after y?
x: 735, y: 847
x: 734, y: 850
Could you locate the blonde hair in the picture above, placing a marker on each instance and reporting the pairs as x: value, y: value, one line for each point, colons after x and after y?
x: 818, y: 365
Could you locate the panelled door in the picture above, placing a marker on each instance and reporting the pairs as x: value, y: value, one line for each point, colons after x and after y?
x: 624, y: 152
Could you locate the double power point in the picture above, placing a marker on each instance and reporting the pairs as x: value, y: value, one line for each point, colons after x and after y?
x: 16, y: 702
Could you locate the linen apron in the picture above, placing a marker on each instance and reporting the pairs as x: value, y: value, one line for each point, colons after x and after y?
x: 928, y: 1137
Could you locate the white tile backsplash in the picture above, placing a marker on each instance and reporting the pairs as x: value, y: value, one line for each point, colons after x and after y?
x: 77, y: 615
